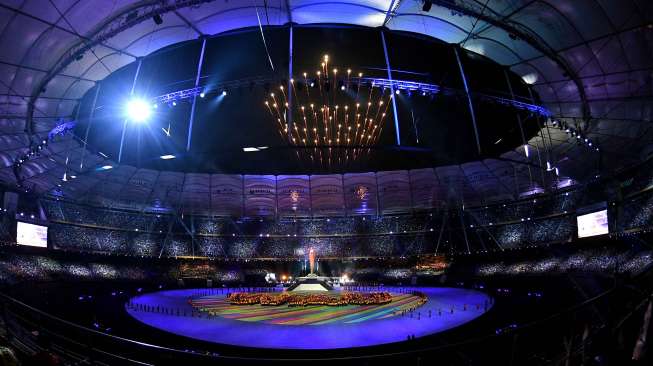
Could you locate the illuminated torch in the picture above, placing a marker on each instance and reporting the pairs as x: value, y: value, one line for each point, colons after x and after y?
x: 311, y: 259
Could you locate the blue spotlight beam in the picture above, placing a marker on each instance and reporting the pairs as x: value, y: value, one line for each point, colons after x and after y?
x: 392, y: 91
x: 192, y: 108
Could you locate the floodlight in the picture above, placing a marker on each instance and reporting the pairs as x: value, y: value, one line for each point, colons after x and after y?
x: 138, y: 110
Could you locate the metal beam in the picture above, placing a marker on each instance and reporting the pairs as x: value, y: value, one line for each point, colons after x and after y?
x: 469, y: 99
x: 519, y: 122
x: 131, y: 93
x: 527, y: 36
x: 31, y: 68
x: 394, y: 4
x: 105, y: 31
x: 88, y: 125
x: 289, y: 120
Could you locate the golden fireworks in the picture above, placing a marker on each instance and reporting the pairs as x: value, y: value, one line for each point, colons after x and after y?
x: 335, y: 118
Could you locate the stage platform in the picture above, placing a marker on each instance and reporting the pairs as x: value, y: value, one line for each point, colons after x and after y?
x: 311, y: 327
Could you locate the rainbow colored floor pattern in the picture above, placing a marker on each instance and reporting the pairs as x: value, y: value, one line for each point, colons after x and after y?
x: 311, y: 327
x: 306, y: 315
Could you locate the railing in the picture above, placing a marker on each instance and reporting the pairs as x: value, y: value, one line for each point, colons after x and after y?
x: 94, y: 347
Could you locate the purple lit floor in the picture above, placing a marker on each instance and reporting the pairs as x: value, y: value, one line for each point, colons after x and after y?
x: 324, y: 336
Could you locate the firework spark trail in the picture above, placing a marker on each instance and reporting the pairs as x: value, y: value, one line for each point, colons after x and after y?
x: 338, y: 125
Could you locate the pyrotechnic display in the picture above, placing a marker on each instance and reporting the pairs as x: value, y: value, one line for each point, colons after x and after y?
x: 333, y: 113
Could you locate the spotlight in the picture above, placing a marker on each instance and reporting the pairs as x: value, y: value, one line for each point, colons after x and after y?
x: 224, y: 92
x: 174, y: 103
x: 427, y: 5
x: 397, y: 92
x: 138, y: 110
x: 157, y: 19
x: 202, y: 95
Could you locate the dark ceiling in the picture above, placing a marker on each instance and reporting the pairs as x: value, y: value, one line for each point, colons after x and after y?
x: 435, y: 129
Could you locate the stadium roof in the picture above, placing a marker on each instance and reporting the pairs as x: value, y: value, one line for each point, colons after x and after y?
x: 591, y: 62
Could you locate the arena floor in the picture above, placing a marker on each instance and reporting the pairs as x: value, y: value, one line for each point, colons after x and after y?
x: 311, y: 327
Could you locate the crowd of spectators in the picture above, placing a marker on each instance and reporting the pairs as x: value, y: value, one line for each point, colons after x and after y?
x: 80, y: 215
x: 637, y: 212
x: 524, y: 223
x: 532, y: 208
x: 590, y: 261
x: 16, y: 268
x: 5, y: 226
x: 640, y: 178
x: 533, y: 232
x: 116, y: 242
x: 103, y: 217
x: 119, y: 242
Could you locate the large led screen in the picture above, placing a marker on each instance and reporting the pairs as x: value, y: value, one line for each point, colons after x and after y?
x: 592, y: 224
x: 32, y: 235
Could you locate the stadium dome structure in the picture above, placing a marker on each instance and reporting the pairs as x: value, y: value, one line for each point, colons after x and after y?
x: 588, y: 61
x: 455, y: 181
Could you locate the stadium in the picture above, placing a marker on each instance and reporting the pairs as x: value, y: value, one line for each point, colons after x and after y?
x: 360, y: 182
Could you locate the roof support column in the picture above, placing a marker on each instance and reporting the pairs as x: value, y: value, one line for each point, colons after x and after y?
x: 469, y: 99
x: 310, y: 197
x: 462, y: 224
x: 88, y: 126
x: 70, y: 141
x: 192, y: 108
x: 392, y: 89
x: 131, y: 94
x: 521, y: 127
x: 289, y: 121
x: 276, y: 197
x: 547, y: 148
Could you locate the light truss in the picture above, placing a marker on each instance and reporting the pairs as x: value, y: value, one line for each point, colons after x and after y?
x: 410, y: 86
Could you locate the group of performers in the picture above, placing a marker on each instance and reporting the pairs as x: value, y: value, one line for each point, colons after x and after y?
x: 306, y: 299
